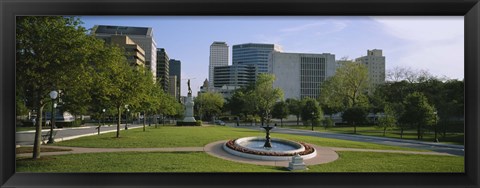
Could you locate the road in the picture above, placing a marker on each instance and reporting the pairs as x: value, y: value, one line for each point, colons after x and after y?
x: 26, y: 137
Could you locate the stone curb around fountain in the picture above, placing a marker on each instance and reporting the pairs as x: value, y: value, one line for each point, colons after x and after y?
x: 324, y: 155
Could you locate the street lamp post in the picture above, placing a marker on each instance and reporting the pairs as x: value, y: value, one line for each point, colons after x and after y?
x: 126, y: 117
x: 103, y: 116
x: 53, y: 96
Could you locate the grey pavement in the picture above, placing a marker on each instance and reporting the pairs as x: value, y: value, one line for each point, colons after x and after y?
x: 432, y: 146
x: 26, y: 137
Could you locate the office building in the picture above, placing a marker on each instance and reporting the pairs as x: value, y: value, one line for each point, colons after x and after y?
x: 234, y: 75
x: 253, y: 54
x: 375, y: 62
x: 163, y: 70
x: 218, y: 57
x: 134, y: 53
x: 175, y: 70
x: 173, y: 88
x: 300, y: 75
x: 142, y: 36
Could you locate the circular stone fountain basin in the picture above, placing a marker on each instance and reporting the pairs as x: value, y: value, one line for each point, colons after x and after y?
x: 281, y: 150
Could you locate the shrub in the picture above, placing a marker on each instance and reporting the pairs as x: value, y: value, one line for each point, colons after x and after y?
x: 198, y: 123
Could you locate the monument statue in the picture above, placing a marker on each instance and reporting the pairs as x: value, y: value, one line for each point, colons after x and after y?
x: 189, y: 106
x: 189, y: 89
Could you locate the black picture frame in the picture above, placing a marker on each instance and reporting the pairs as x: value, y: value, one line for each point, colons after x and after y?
x: 470, y: 9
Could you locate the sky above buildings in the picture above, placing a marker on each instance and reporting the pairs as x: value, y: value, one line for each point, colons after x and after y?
x: 434, y: 43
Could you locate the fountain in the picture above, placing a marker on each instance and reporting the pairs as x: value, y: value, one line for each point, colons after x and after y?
x: 269, y: 149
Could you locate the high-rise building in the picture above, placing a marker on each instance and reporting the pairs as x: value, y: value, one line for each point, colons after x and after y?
x: 254, y: 54
x: 142, y: 36
x: 234, y: 75
x: 300, y: 75
x: 218, y: 57
x: 173, y: 89
x: 375, y: 62
x: 134, y: 53
x: 163, y: 70
x: 175, y: 70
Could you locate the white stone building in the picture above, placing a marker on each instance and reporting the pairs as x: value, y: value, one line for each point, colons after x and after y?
x: 300, y: 75
x: 218, y: 57
x: 375, y: 63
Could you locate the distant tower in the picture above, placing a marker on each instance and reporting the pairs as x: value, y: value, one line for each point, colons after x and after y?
x: 175, y: 70
x: 163, y: 70
x: 218, y: 57
x: 375, y: 63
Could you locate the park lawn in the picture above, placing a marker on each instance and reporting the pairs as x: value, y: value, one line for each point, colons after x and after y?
x: 165, y: 137
x: 202, y: 162
x: 451, y: 138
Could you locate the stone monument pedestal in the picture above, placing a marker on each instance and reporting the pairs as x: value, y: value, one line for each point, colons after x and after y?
x: 189, y: 110
x: 296, y: 163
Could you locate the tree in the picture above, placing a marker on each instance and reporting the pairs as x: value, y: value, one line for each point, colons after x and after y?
x: 209, y: 104
x: 264, y: 95
x: 294, y: 108
x: 347, y: 88
x: 53, y: 53
x: 354, y: 116
x: 280, y: 110
x: 117, y: 83
x: 418, y: 112
x: 311, y: 111
x: 389, y: 120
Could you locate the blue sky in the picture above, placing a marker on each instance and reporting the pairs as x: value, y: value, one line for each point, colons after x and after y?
x: 435, y: 43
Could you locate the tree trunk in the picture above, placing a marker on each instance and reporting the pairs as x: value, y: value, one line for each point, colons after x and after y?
x: 401, y: 132
x: 144, y: 118
x: 119, y: 121
x: 298, y: 119
x: 384, y: 130
x: 281, y: 122
x: 418, y: 132
x: 354, y: 128
x: 38, y: 132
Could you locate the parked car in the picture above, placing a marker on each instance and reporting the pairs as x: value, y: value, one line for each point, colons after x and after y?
x: 219, y: 122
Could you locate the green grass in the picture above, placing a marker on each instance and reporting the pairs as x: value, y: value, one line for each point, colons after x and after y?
x: 451, y: 138
x: 199, y: 137
x: 25, y: 129
x: 202, y: 162
x: 391, y: 162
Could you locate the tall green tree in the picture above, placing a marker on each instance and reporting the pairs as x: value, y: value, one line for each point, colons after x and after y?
x: 117, y: 83
x: 347, y: 88
x: 311, y: 112
x: 280, y: 111
x: 294, y: 108
x: 53, y: 53
x: 209, y: 104
x: 418, y: 112
x: 264, y: 95
x: 389, y: 120
x: 354, y: 116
